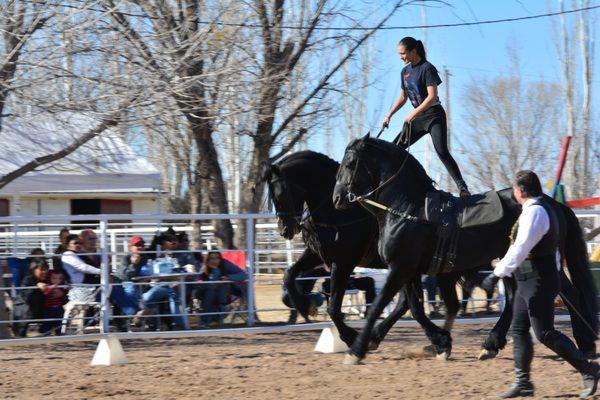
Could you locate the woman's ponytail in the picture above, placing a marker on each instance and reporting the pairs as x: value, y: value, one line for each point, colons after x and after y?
x: 411, y: 43
x: 421, y: 50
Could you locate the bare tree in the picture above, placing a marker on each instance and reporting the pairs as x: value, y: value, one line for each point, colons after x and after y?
x: 511, y: 125
x: 280, y: 57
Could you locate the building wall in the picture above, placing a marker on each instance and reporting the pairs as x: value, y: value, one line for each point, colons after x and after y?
x: 62, y: 206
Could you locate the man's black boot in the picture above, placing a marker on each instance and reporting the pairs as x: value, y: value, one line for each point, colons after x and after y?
x: 521, y: 388
x: 590, y: 382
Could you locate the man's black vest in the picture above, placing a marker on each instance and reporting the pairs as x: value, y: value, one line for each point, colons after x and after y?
x: 548, y: 244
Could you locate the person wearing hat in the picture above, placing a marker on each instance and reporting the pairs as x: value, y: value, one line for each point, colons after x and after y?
x: 131, y: 265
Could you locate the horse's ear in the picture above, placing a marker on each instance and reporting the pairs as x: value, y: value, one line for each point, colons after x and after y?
x: 368, y: 135
x: 275, y: 169
x: 264, y: 171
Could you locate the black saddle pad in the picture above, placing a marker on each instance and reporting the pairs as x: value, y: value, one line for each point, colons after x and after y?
x: 476, y: 210
x: 481, y: 209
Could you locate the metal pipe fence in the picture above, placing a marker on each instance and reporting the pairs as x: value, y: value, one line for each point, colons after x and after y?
x: 262, y: 245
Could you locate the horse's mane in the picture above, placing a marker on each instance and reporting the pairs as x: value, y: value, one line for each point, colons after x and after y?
x: 309, y: 157
x: 396, y: 152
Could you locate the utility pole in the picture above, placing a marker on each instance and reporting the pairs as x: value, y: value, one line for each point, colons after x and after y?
x: 424, y: 39
x: 448, y: 124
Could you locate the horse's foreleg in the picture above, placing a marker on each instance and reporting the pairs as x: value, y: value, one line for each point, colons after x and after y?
x: 359, y: 348
x: 440, y: 338
x: 340, y: 273
x: 382, y: 329
x: 307, y: 261
x: 496, y: 339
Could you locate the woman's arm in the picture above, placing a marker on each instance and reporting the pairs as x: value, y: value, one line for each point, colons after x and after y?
x: 400, y: 101
x: 432, y: 96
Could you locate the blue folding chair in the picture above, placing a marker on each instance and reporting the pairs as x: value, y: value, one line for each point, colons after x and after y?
x: 18, y: 268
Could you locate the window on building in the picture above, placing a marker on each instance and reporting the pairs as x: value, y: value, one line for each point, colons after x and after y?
x: 99, y: 206
x: 4, y: 208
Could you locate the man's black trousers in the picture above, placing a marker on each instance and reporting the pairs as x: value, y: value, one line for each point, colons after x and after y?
x: 534, y: 307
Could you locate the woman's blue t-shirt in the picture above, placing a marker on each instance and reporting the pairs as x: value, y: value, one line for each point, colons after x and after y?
x: 416, y: 78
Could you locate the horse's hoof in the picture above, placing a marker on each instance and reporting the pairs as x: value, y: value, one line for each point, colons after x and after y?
x: 373, y: 345
x: 430, y: 350
x: 486, y: 354
x: 351, y: 359
x: 443, y: 356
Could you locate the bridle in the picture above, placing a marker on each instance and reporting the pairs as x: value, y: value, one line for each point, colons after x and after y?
x: 290, y: 201
x: 353, y: 197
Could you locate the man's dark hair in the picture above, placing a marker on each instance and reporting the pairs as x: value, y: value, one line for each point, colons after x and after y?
x: 72, y: 237
x: 529, y: 183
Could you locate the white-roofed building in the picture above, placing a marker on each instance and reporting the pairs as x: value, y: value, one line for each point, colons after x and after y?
x: 104, y: 176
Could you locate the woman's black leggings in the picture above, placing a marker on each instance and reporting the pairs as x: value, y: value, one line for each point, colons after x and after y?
x: 436, y: 127
x: 439, y: 137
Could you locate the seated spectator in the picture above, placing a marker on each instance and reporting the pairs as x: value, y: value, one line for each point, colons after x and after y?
x: 78, y: 271
x: 46, y: 300
x: 164, y: 292
x: 131, y: 265
x: 186, y: 259
x: 89, y: 246
x: 61, y: 248
x: 213, y: 294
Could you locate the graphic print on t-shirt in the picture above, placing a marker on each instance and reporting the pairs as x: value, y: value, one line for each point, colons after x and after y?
x: 411, y: 88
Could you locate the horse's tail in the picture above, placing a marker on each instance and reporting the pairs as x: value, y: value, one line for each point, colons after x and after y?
x: 575, y: 253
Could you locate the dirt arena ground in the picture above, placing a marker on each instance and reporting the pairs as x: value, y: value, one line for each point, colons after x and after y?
x: 274, y: 366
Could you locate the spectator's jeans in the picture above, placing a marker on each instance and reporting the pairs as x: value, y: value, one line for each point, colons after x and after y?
x: 128, y: 304
x: 159, y: 294
x: 132, y: 292
x: 213, y: 297
x: 51, y: 312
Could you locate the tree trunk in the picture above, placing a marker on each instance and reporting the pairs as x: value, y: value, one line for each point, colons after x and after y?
x: 195, y: 203
x: 211, y: 179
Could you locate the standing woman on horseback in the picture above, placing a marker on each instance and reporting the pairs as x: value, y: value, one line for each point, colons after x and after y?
x: 420, y: 82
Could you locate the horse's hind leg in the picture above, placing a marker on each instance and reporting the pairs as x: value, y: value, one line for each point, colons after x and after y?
x: 440, y: 338
x: 340, y: 273
x: 496, y: 339
x: 447, y: 285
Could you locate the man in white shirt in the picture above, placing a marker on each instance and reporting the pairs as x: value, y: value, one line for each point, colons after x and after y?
x: 533, y: 259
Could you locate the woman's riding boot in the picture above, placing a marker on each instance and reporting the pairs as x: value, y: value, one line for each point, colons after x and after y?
x: 522, y: 386
x: 463, y: 189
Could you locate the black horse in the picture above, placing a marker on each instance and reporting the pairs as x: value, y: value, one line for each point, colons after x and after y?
x: 301, y: 188
x: 393, y: 185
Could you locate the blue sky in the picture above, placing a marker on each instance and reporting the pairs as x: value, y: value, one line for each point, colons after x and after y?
x: 470, y: 53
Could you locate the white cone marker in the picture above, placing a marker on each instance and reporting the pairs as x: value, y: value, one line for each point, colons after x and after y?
x: 109, y: 352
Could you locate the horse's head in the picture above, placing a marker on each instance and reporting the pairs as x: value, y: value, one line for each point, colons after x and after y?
x: 287, y: 198
x: 353, y: 177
